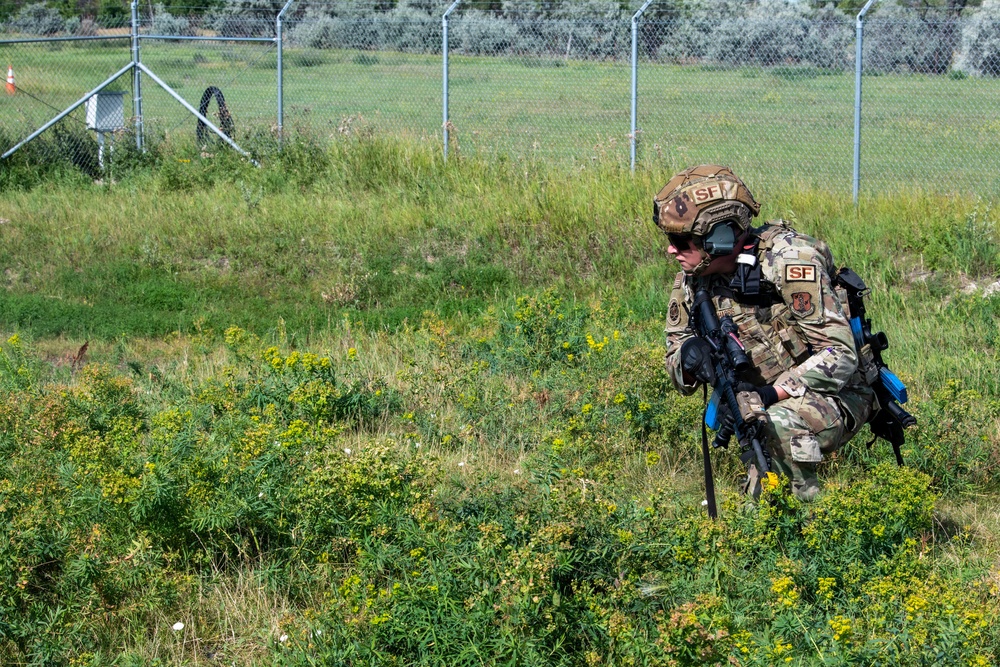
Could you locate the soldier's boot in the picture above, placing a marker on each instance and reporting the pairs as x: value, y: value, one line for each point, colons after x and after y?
x: 805, y: 482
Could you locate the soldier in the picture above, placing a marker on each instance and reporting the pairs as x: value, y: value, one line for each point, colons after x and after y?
x: 776, y: 283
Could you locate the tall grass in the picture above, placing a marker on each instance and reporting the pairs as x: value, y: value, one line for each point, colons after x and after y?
x: 380, y: 231
x: 441, y: 432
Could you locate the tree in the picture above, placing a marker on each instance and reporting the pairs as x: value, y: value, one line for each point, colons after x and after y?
x: 980, y: 52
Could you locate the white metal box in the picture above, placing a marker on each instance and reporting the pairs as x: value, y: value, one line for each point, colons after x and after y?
x: 106, y: 111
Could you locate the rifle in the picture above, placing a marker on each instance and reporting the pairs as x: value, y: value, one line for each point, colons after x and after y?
x: 891, y: 419
x: 729, y: 359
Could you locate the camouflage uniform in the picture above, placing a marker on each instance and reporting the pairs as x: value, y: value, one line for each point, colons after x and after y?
x: 802, y: 343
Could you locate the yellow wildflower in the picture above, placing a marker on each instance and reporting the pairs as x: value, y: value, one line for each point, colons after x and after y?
x: 784, y: 588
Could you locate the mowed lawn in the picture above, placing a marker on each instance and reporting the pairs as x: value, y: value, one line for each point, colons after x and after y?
x: 778, y: 125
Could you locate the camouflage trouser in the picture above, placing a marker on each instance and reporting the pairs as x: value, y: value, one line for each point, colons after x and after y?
x: 801, y: 430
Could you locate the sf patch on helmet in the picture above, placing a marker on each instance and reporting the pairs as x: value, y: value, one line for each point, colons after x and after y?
x: 694, y: 200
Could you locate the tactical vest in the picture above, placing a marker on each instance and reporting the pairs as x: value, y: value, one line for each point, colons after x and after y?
x: 749, y: 291
x: 773, y: 341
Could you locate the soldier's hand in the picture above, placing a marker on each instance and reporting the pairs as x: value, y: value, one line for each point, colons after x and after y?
x: 696, y: 360
x: 768, y: 394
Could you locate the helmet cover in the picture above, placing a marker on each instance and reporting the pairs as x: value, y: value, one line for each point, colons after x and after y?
x: 698, y: 198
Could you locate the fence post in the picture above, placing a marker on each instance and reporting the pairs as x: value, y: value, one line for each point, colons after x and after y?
x: 635, y: 77
x: 858, y: 55
x: 279, y: 43
x: 444, y: 51
x: 136, y: 76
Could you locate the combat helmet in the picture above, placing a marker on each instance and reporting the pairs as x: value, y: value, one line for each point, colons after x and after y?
x: 708, y: 202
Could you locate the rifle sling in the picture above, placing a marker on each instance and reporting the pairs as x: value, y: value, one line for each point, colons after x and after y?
x: 709, y: 481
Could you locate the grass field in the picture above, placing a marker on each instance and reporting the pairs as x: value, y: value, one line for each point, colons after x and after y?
x: 363, y: 407
x: 778, y: 125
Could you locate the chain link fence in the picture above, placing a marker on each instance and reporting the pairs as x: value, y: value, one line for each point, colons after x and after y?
x: 551, y: 84
x: 929, y: 108
x: 49, y: 66
x: 770, y: 96
x: 768, y: 87
x: 362, y: 67
x: 211, y: 62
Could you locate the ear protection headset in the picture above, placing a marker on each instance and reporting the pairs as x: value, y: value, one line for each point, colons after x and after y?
x: 721, y: 239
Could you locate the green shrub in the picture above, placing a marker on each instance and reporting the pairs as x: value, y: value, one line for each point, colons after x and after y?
x: 949, y: 443
x: 38, y: 19
x: 541, y: 331
x: 980, y: 49
x: 165, y: 23
x: 870, y: 519
x: 122, y: 499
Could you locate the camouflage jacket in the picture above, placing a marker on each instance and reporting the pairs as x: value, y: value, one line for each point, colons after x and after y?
x: 801, y: 340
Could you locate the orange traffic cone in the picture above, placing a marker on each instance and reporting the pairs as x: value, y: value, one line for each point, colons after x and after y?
x: 11, y: 88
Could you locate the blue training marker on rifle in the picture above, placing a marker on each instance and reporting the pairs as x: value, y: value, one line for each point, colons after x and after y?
x: 893, y: 384
x: 712, y: 412
x: 859, y: 337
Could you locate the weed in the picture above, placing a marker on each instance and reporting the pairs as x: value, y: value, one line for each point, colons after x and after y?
x: 397, y: 411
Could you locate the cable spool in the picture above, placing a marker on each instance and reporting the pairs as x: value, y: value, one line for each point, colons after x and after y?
x: 225, y: 118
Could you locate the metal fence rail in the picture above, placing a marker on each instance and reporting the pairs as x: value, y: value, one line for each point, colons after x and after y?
x: 770, y: 88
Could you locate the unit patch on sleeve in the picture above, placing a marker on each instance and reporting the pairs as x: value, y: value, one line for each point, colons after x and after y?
x: 800, y: 273
x: 674, y: 313
x: 802, y: 303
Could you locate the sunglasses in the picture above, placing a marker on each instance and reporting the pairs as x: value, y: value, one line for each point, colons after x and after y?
x: 681, y: 242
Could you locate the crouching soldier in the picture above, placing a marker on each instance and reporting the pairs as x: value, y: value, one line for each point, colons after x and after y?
x: 777, y: 285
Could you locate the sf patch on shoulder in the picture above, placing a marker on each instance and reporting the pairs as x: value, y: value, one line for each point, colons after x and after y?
x: 802, y: 289
x: 801, y: 273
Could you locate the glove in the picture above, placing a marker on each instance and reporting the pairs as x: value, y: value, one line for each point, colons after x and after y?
x: 768, y: 394
x: 696, y: 360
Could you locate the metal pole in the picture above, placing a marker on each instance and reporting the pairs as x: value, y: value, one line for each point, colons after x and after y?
x: 136, y: 76
x: 279, y: 43
x: 444, y: 51
x: 858, y: 55
x: 69, y: 110
x: 48, y: 40
x: 198, y: 115
x: 191, y: 38
x: 635, y: 75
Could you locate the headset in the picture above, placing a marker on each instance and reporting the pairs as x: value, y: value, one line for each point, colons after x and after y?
x: 721, y: 239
